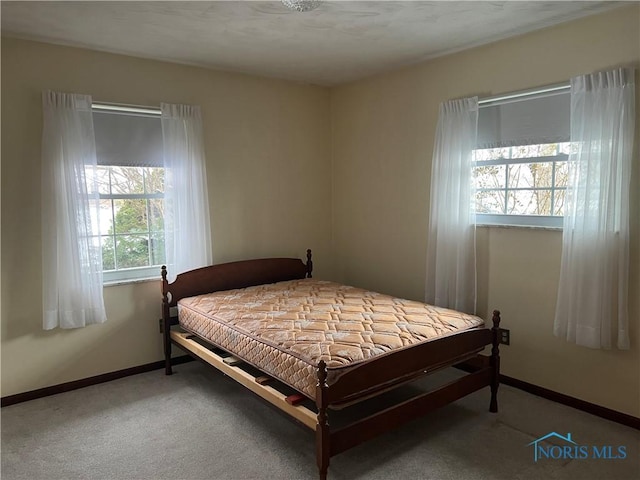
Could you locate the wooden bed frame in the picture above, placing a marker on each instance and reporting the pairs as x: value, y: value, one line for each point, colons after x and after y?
x: 357, y: 384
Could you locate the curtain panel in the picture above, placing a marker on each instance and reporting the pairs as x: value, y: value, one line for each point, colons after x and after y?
x: 451, y: 251
x: 71, y: 253
x: 592, y: 307
x: 187, y: 222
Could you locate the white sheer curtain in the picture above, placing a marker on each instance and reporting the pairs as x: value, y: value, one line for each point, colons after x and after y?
x: 187, y: 224
x: 593, y: 293
x: 71, y: 254
x: 451, y: 253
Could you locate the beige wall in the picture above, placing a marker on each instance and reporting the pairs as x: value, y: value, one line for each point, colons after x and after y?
x: 268, y: 148
x: 382, y: 132
x: 345, y: 171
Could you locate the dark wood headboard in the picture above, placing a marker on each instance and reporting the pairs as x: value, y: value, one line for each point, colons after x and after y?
x: 227, y: 276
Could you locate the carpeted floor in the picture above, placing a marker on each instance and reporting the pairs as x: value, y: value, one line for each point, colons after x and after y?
x: 198, y: 424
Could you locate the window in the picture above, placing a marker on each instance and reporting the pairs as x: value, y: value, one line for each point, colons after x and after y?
x: 523, y: 185
x: 520, y: 167
x: 129, y: 186
x: 131, y: 221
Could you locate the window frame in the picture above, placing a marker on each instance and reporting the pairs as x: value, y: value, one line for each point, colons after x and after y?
x: 115, y: 275
x: 131, y: 274
x: 507, y: 219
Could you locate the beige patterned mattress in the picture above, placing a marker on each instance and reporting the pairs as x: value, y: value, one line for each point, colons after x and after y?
x: 286, y: 328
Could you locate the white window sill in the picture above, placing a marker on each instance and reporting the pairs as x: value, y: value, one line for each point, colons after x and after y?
x: 526, y: 227
x: 130, y: 281
x: 520, y: 221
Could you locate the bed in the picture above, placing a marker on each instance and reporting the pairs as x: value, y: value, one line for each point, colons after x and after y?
x: 267, y: 323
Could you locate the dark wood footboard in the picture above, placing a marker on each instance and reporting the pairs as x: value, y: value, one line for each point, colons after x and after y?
x: 385, y: 373
x: 388, y: 371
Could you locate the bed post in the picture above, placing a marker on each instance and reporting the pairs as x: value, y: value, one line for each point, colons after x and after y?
x: 166, y: 323
x: 309, y: 263
x: 322, y: 427
x: 495, y: 361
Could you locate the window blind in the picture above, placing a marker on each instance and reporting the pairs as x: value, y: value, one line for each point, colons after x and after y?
x: 128, y: 139
x: 529, y: 120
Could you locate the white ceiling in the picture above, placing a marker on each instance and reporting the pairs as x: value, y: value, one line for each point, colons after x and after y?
x: 339, y: 42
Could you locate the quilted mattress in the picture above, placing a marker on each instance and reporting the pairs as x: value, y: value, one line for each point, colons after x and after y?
x: 286, y: 328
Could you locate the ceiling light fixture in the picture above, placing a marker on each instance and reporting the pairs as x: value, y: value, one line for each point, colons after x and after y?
x: 302, y: 5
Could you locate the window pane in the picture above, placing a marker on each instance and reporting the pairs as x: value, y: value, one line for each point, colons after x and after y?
x: 491, y: 201
x: 90, y: 179
x: 102, y: 179
x: 491, y: 154
x: 562, y: 174
x: 131, y: 215
x: 127, y: 180
x: 490, y: 176
x: 558, y: 207
x: 542, y: 202
x: 95, y: 249
x: 94, y: 213
x: 156, y: 212
x: 108, y: 254
x: 530, y: 175
x: 520, y: 202
x: 566, y: 148
x: 529, y: 202
x: 154, y: 180
x: 480, y: 154
x: 106, y: 217
x: 132, y: 251
x: 524, y: 151
x: 533, y: 151
x: 157, y: 248
x: 498, y: 153
x: 548, y: 150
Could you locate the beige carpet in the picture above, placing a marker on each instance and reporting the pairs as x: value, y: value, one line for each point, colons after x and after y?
x: 198, y: 424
